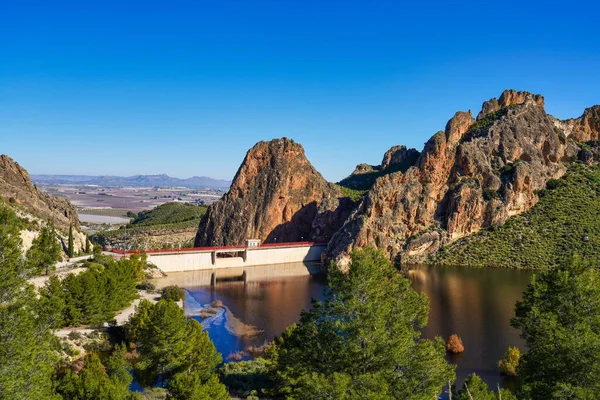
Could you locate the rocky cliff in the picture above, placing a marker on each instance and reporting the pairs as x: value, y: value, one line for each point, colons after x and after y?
x: 397, y: 158
x: 276, y: 196
x: 17, y: 190
x: 474, y: 174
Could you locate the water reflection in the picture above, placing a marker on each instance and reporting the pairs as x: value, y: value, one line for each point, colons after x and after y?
x: 269, y: 298
x: 477, y: 305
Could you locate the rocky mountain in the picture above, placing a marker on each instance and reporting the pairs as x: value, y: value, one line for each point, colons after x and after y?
x: 17, y: 190
x: 397, y: 158
x: 276, y: 196
x: 474, y: 174
x: 161, y: 180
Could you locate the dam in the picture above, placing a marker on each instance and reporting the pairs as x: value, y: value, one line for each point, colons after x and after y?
x: 219, y: 257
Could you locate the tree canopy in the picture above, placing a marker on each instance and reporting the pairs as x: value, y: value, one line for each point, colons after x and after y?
x: 362, y: 341
x: 27, y: 356
x: 175, y: 351
x: 45, y: 251
x: 559, y: 319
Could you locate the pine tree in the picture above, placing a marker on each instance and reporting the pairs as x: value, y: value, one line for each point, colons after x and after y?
x: 27, y: 357
x: 174, y: 349
x: 362, y: 340
x: 559, y: 319
x: 45, y: 251
x: 87, y: 244
x: 71, y: 245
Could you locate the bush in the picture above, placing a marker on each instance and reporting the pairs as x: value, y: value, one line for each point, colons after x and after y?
x: 74, y: 335
x: 173, y: 292
x: 454, y: 345
x: 490, y: 194
x: 146, y: 285
x: 509, y: 363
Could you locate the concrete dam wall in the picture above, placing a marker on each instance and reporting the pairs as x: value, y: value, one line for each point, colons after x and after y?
x: 232, y: 257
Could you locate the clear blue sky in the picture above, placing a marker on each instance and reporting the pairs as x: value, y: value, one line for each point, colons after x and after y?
x: 186, y: 87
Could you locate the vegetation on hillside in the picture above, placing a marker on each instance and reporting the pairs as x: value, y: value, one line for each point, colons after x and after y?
x: 27, y: 356
x: 166, y: 219
x: 559, y: 319
x: 93, y: 296
x: 563, y: 222
x: 175, y: 352
x: 355, y: 343
x: 169, y: 213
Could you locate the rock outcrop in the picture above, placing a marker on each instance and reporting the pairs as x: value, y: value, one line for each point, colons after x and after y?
x: 397, y: 158
x: 397, y: 155
x: 17, y: 190
x: 276, y: 196
x: 16, y: 187
x: 472, y: 175
x: 585, y: 128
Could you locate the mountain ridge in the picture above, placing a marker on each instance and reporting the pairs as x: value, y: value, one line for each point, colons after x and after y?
x: 134, y: 180
x: 474, y: 174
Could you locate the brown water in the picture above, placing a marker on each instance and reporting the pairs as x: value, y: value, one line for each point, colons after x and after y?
x: 476, y: 304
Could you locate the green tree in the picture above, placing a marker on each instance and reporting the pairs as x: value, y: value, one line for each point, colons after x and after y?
x: 363, y: 339
x: 71, y: 247
x: 175, y: 350
x: 163, y: 343
x: 173, y: 292
x: 559, y: 319
x: 87, y: 244
x: 27, y: 356
x: 476, y: 389
x: 45, y: 251
x: 97, y: 381
x: 53, y: 302
x: 510, y: 362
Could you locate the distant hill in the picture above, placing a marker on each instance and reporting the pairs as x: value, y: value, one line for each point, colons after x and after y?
x: 136, y: 180
x: 169, y: 225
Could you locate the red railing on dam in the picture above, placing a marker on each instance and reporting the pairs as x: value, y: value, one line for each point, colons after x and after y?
x: 220, y: 248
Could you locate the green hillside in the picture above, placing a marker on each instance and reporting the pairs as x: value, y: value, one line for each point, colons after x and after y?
x: 167, y: 225
x: 169, y: 213
x: 566, y: 220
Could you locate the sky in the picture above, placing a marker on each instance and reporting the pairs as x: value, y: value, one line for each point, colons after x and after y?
x: 186, y: 87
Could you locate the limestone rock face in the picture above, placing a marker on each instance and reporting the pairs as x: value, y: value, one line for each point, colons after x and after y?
x: 508, y: 98
x: 16, y: 187
x: 397, y: 155
x: 587, y: 127
x: 276, y: 196
x: 472, y: 175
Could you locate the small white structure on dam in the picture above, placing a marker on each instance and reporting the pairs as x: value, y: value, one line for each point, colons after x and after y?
x: 252, y: 254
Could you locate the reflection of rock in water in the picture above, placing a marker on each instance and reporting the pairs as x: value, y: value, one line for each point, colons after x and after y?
x: 238, y: 328
x: 221, y: 315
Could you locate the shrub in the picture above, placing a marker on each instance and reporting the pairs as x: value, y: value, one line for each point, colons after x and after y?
x: 146, y: 285
x: 454, y: 345
x: 509, y: 363
x: 173, y: 292
x: 490, y: 194
x: 74, y: 335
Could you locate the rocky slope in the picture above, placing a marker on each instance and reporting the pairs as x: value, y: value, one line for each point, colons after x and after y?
x: 397, y: 158
x: 474, y: 174
x: 17, y: 190
x: 276, y: 196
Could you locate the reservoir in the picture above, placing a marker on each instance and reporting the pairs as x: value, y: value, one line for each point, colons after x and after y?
x: 249, y: 306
